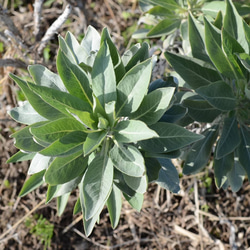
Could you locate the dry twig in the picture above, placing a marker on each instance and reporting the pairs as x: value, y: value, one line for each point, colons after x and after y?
x: 16, y: 39
x: 16, y: 63
x: 53, y: 29
x: 37, y: 17
x: 66, y: 229
x: 7, y: 21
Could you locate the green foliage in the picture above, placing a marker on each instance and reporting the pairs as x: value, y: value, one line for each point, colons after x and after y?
x: 165, y: 17
x: 96, y: 126
x: 170, y: 19
x: 218, y: 76
x: 41, y: 228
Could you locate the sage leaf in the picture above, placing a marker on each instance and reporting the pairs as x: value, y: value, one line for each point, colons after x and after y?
x: 138, y: 184
x: 76, y: 49
x: 200, y: 152
x: 93, y: 141
x: 218, y: 94
x: 164, y: 27
x: 222, y: 167
x: 128, y: 160
x: 26, y: 114
x: 41, y: 107
x: 154, y: 105
x: 135, y: 201
x: 61, y: 203
x: 103, y: 76
x: 168, y: 176
x: 74, y: 78
x: 60, y: 100
x: 39, y: 163
x: 229, y: 139
x: 171, y: 137
x: 244, y: 149
x: 44, y: 77
x: 24, y: 140
x: 114, y: 205
x: 97, y: 185
x: 195, y: 72
x: 133, y: 131
x: 21, y: 156
x: 132, y: 88
x: 65, y: 144
x: 236, y: 176
x: 35, y: 181
x: 64, y: 169
x: 54, y: 130
x: 153, y: 167
x: 214, y: 49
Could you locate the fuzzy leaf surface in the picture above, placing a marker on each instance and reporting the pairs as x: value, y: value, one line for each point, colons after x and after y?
x: 103, y: 76
x: 91, y: 40
x: 41, y: 107
x: 153, y: 167
x: 116, y: 59
x: 221, y: 168
x: 197, y: 39
x: 236, y: 176
x: 154, y: 105
x: 137, y: 54
x: 35, y: 181
x: 90, y: 223
x: 26, y: 114
x: 64, y: 169
x: 66, y: 144
x: 244, y: 150
x: 21, y: 156
x: 229, y: 139
x: 44, y: 77
x: 168, y: 176
x: 76, y: 49
x: 218, y: 94
x: 138, y: 184
x: 171, y: 137
x: 60, y: 100
x: 164, y: 27
x: 200, y: 152
x: 39, y: 163
x: 24, y: 140
x: 194, y: 71
x: 93, y: 141
x: 135, y: 201
x: 74, y: 78
x: 233, y: 24
x: 61, y: 203
x: 133, y: 131
x: 114, y: 205
x: 214, y: 49
x: 200, y: 110
x: 53, y: 130
x: 97, y: 185
x: 132, y: 88
x: 128, y: 160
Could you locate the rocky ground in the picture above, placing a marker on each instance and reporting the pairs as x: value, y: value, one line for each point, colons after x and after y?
x: 199, y: 217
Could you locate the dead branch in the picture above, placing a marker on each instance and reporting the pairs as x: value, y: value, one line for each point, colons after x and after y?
x: 53, y: 29
x: 37, y: 17
x: 16, y: 63
x: 7, y: 21
x: 15, y: 39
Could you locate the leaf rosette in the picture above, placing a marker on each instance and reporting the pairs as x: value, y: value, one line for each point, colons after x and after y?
x: 96, y: 126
